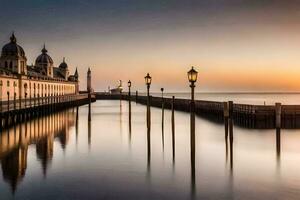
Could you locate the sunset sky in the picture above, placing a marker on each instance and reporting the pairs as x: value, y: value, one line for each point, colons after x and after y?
x: 236, y: 45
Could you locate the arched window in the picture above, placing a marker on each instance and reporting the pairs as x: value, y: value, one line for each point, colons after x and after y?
x: 10, y: 65
x: 6, y: 65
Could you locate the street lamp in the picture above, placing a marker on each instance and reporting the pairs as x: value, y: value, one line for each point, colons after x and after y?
x: 25, y: 95
x: 1, y: 84
x: 192, y: 76
x: 148, y: 80
x: 15, y: 95
x: 129, y: 86
x: 162, y: 92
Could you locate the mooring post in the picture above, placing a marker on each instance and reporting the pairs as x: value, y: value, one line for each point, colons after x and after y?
x: 136, y: 96
x: 278, y: 115
x: 226, y: 116
x: 173, y: 128
x: 230, y: 105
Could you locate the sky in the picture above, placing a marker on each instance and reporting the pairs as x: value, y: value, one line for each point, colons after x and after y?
x: 235, y: 45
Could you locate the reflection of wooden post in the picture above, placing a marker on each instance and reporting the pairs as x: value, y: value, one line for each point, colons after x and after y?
x: 230, y: 121
x: 173, y: 128
x: 226, y: 116
x: 278, y: 115
x: 278, y: 142
x: 129, y: 116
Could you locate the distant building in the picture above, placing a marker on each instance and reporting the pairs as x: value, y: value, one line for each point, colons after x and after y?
x: 118, y: 89
x: 89, y: 81
x: 43, y: 79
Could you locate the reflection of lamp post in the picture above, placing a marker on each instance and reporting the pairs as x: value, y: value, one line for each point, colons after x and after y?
x: 148, y: 80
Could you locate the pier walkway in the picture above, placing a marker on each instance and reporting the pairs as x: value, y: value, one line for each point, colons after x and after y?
x: 14, y: 111
x: 244, y: 115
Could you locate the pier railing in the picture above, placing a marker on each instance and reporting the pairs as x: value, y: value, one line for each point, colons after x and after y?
x: 244, y: 115
x: 19, y: 104
x: 16, y: 110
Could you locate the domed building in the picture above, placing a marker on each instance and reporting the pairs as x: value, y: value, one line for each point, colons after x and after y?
x: 18, y: 80
x: 44, y: 63
x: 13, y: 57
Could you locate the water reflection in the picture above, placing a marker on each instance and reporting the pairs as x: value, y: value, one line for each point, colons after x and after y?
x: 41, y: 132
x: 89, y: 127
x: 144, y: 168
x: 278, y: 146
x: 129, y: 119
x: 193, y: 149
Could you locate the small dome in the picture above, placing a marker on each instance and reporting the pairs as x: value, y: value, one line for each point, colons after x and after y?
x: 12, y: 48
x: 63, y: 65
x: 44, y: 58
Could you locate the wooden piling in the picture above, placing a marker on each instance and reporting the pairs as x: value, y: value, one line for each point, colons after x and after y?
x: 173, y: 128
x: 278, y: 115
x: 226, y: 116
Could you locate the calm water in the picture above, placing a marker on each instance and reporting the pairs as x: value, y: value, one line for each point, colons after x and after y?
x: 56, y: 158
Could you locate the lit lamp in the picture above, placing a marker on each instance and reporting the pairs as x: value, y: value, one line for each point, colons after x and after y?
x: 192, y: 76
x: 148, y: 80
x: 129, y: 86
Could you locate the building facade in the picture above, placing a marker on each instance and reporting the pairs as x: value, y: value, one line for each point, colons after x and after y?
x: 19, y: 80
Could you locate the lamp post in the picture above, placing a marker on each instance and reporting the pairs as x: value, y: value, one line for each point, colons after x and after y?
x: 192, y: 77
x: 129, y: 86
x: 162, y: 107
x: 129, y: 103
x: 15, y: 95
x: 148, y: 80
x: 25, y: 95
x: 1, y: 84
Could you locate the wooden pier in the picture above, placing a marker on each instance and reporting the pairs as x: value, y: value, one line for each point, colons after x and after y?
x: 244, y: 115
x: 15, y: 111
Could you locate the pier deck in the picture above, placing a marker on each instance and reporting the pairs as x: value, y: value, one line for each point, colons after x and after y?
x: 15, y: 111
x: 244, y: 115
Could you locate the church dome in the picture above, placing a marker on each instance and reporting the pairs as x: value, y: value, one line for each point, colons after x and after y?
x: 63, y: 65
x: 12, y: 48
x: 44, y: 59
